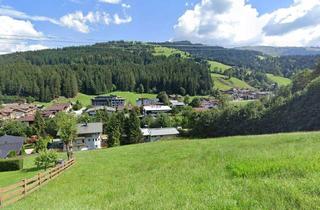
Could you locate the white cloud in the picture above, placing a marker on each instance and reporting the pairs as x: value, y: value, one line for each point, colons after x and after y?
x: 236, y: 22
x: 14, y: 33
x: 126, y: 6
x: 8, y: 11
x: 111, y: 1
x: 118, y: 20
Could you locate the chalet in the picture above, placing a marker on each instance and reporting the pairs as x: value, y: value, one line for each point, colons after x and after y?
x: 56, y: 108
x: 10, y: 143
x: 89, y: 136
x: 155, y: 134
x: 155, y: 109
x: 176, y: 103
x: 16, y: 111
x: 110, y: 101
x: 29, y: 119
x: 93, y: 111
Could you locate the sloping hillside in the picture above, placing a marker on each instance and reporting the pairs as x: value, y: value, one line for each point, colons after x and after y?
x: 222, y: 82
x: 250, y: 172
x: 301, y: 113
x: 281, y: 81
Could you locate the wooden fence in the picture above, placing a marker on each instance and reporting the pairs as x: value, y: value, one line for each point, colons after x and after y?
x: 19, y: 190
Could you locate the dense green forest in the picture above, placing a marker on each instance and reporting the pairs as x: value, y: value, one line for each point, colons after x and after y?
x: 100, y: 68
x: 253, y: 60
x: 293, y: 108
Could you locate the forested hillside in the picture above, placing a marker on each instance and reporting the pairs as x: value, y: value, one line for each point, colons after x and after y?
x: 101, y: 68
x: 293, y: 108
x: 254, y: 60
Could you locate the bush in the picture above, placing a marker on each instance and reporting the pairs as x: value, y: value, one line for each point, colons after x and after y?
x: 13, y: 164
x: 12, y: 154
x: 46, y: 159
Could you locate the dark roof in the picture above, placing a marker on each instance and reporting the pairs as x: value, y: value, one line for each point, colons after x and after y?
x: 10, y: 143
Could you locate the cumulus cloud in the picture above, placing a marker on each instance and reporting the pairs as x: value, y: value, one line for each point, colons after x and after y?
x: 81, y: 22
x: 236, y: 22
x: 111, y: 1
x: 14, y: 34
x: 118, y: 20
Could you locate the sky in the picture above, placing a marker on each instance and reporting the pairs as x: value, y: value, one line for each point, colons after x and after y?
x: 40, y: 24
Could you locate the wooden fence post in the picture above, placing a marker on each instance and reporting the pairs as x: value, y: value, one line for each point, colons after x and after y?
x: 24, y: 187
x: 1, y: 202
x: 39, y: 179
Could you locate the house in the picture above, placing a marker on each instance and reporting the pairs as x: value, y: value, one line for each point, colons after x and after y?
x: 155, y: 134
x: 56, y: 108
x: 88, y: 136
x: 176, y: 103
x: 147, y: 102
x: 110, y: 101
x: 155, y: 109
x: 10, y: 143
x: 16, y: 111
x: 93, y: 111
x: 28, y: 119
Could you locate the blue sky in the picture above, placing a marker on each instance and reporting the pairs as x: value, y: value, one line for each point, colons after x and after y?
x: 56, y: 23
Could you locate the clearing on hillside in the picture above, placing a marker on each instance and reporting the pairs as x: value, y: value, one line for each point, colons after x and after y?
x: 216, y: 66
x: 222, y: 82
x: 250, y: 172
x: 281, y: 81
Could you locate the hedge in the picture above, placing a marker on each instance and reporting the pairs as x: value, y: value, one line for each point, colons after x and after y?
x: 12, y: 164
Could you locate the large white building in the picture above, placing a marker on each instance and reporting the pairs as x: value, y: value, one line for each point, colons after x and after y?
x: 89, y: 137
x: 156, y: 109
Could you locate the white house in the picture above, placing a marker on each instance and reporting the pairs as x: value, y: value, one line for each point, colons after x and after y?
x: 156, y: 109
x: 176, y: 103
x: 89, y: 136
x: 155, y: 134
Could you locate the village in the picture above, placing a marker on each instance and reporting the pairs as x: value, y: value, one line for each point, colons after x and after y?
x: 90, y: 135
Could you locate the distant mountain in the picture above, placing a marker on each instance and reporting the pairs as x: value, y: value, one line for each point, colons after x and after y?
x: 283, y: 51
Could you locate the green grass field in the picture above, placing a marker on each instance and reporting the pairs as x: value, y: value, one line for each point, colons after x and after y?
x: 222, y: 82
x: 281, y: 81
x: 218, y: 66
x: 29, y: 170
x: 85, y: 100
x: 166, y: 51
x: 250, y: 172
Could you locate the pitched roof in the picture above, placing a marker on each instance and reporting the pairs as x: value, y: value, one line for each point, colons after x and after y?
x: 89, y: 128
x: 10, y: 143
x: 159, y: 131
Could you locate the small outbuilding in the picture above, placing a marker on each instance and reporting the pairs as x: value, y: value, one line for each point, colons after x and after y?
x: 155, y: 134
x: 10, y: 143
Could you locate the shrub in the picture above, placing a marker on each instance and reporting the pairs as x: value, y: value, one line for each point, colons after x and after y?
x: 12, y: 154
x: 46, y: 159
x: 13, y: 164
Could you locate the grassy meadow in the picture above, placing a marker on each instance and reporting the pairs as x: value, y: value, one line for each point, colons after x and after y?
x: 281, y: 81
x: 222, y: 82
x: 166, y: 51
x: 249, y: 172
x: 219, y: 66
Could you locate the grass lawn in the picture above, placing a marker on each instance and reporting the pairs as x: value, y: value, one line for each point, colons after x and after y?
x: 166, y: 51
x: 250, y: 172
x: 220, y: 66
x: 29, y: 170
x: 281, y: 81
x: 222, y: 82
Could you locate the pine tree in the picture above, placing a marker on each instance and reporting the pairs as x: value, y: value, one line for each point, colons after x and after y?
x: 114, y: 131
x: 39, y: 124
x: 133, y: 131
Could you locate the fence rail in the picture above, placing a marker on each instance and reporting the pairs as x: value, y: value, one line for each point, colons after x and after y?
x: 19, y: 190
